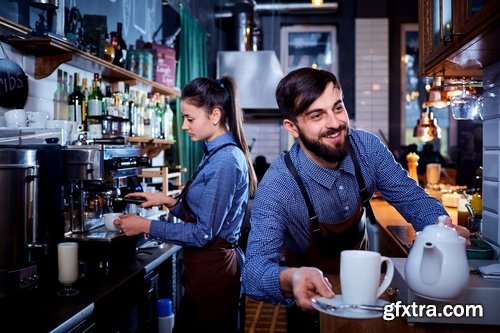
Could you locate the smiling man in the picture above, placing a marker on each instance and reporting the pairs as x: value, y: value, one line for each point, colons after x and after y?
x: 308, y: 208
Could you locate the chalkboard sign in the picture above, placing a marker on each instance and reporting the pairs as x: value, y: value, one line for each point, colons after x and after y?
x: 13, y: 85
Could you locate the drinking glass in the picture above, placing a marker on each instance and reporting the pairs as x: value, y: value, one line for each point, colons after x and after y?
x: 67, y: 261
x: 464, y: 106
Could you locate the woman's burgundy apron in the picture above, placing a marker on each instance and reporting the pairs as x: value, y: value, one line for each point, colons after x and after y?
x: 211, y: 280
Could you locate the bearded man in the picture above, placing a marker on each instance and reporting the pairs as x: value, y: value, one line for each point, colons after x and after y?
x: 308, y: 206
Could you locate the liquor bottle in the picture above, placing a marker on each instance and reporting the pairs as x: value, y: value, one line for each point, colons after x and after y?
x: 158, y: 131
x: 120, y: 47
x: 168, y: 121
x: 60, y: 98
x: 109, y: 49
x: 95, y: 98
x: 85, y: 92
x: 75, y: 101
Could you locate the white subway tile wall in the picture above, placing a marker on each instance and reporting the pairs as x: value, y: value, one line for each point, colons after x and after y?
x: 269, y: 134
x: 491, y: 154
x: 372, y: 76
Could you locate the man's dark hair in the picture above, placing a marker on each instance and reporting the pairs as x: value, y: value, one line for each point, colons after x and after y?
x: 300, y: 88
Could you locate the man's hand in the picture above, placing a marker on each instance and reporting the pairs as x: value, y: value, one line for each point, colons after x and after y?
x: 303, y: 284
x: 462, y: 231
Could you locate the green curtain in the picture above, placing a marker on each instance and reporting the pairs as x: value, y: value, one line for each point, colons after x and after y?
x: 192, y: 64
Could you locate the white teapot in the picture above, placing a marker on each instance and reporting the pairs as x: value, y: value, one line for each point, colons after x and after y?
x: 437, y: 266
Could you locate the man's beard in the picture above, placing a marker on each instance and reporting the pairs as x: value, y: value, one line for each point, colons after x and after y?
x: 327, y: 153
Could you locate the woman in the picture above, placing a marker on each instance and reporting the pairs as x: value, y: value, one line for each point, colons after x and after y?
x: 213, y: 204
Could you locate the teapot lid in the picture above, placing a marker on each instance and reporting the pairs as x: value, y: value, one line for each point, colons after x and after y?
x: 441, y: 230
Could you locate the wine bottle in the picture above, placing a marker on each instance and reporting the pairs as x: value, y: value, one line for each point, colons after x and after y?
x: 60, y: 98
x: 120, y: 47
x: 75, y: 101
x: 85, y: 92
x: 95, y: 98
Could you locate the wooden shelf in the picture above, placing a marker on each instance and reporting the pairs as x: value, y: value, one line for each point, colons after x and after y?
x: 151, y: 147
x: 163, y: 172
x: 51, y: 52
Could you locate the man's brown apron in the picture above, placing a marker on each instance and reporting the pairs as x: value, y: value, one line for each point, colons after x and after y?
x: 298, y: 320
x: 211, y: 279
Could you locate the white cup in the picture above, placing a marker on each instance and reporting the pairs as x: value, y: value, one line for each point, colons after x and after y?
x: 67, y: 261
x: 37, y: 117
x: 109, y: 219
x: 433, y: 173
x: 360, y: 276
x: 15, y: 118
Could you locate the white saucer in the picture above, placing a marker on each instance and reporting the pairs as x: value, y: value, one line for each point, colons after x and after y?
x: 348, y: 313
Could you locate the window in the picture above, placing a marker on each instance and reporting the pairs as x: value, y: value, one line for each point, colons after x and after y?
x: 309, y: 46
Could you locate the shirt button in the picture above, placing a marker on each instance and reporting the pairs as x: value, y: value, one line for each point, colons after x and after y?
x: 206, y: 236
x: 341, y: 187
x: 346, y: 208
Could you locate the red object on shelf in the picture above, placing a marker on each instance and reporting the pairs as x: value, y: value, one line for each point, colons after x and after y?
x: 165, y: 65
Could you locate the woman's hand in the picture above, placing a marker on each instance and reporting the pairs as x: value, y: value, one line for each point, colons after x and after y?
x: 153, y: 199
x: 132, y: 224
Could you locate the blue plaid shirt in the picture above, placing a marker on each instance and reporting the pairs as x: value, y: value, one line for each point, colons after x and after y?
x: 217, y: 197
x: 279, y: 214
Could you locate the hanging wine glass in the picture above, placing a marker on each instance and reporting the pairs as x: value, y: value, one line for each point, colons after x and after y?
x: 464, y: 105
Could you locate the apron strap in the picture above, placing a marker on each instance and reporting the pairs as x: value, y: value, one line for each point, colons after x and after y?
x: 330, y: 244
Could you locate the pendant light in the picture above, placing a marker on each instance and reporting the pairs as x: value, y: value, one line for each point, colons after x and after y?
x: 427, y: 128
x: 436, y: 96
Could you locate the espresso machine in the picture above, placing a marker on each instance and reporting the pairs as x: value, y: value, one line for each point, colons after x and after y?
x: 98, y: 176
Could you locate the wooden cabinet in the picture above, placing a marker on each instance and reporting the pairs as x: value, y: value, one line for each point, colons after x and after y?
x: 458, y: 37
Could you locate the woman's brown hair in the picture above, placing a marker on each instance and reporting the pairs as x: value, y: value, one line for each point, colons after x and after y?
x: 223, y: 94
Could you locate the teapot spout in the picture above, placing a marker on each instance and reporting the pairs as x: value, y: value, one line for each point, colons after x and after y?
x: 431, y: 265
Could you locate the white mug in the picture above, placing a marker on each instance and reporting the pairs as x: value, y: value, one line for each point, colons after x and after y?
x: 15, y: 118
x: 39, y: 117
x: 360, y: 276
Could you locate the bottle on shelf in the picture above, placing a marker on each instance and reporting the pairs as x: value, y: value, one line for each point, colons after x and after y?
x: 75, y: 101
x: 159, y: 103
x: 95, y: 111
x: 60, y: 98
x: 109, y: 49
x: 85, y: 92
x: 95, y: 98
x: 168, y: 121
x: 120, y: 47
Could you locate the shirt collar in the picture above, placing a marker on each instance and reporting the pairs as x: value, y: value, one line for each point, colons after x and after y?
x: 207, y: 147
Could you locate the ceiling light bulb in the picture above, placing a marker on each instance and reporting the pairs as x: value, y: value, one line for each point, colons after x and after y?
x: 317, y: 2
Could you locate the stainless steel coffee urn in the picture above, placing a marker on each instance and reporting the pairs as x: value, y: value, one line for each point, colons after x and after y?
x: 31, y: 223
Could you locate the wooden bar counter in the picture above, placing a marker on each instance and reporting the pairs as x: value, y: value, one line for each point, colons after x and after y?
x: 392, y: 246
x: 332, y: 324
x: 389, y: 218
